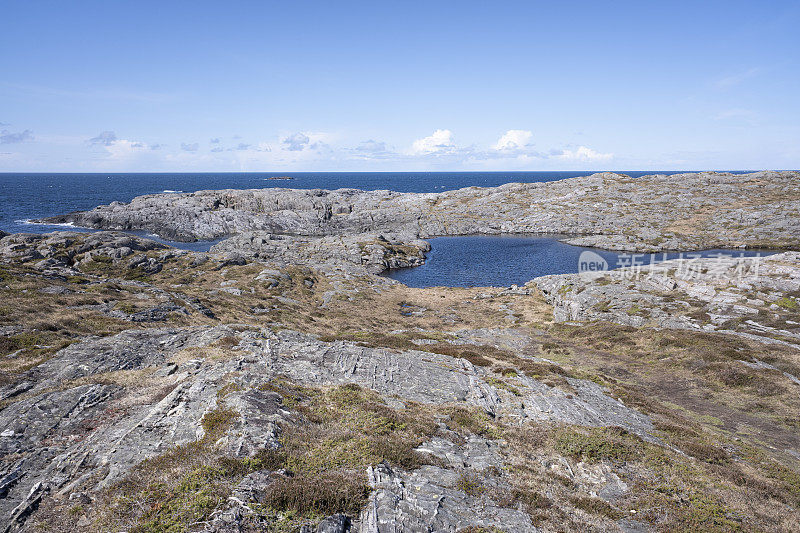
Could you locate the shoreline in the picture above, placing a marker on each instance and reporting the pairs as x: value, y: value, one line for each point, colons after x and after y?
x: 226, y: 353
x: 606, y: 211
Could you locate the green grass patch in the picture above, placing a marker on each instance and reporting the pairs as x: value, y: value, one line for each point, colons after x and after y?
x: 500, y: 384
x: 19, y: 341
x: 788, y: 303
x: 472, y: 420
x: 470, y: 484
x: 699, y: 512
x: 597, y: 444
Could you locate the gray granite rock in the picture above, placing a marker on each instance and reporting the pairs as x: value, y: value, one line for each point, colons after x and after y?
x: 52, y: 407
x: 428, y: 500
x: 338, y: 523
x: 607, y: 210
x: 727, y: 294
x: 373, y: 251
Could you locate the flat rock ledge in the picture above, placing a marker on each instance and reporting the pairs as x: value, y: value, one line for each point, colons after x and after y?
x: 60, y: 402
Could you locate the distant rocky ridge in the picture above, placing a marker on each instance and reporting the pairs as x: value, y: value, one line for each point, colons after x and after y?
x: 608, y: 210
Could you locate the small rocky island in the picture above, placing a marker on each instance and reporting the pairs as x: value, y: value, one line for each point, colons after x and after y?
x: 277, y: 383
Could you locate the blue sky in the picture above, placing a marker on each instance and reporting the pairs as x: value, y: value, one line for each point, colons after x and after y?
x: 338, y: 86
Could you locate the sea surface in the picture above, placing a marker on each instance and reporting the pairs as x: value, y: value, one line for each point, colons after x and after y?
x: 453, y: 261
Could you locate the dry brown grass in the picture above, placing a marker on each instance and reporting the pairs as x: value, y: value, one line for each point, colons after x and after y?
x: 318, y: 470
x: 680, y: 374
x: 691, y: 383
x: 709, y: 490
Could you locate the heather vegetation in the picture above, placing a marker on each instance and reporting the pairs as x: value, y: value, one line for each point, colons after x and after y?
x: 215, y: 397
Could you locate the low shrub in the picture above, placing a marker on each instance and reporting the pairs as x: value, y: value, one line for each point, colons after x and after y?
x: 472, y: 420
x: 706, y: 452
x: 597, y: 444
x: 598, y: 507
x: 470, y: 484
x: 19, y: 341
x: 788, y: 303
x: 322, y: 494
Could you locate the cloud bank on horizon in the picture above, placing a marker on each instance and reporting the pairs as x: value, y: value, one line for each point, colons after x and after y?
x: 513, y: 149
x: 377, y: 87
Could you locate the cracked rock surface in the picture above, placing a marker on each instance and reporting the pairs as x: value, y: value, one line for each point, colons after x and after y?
x: 741, y: 296
x: 276, y: 384
x: 614, y: 211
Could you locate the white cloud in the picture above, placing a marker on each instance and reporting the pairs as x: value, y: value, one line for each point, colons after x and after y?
x: 583, y: 153
x: 306, y: 141
x: 372, y: 150
x: 440, y: 142
x: 372, y: 146
x: 121, y: 148
x: 7, y: 137
x: 513, y: 140
x: 296, y: 142
x: 308, y: 150
x: 106, y: 138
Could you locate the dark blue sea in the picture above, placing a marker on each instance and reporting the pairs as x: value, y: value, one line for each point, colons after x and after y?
x: 455, y: 261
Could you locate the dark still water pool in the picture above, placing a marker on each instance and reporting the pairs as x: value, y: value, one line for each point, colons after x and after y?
x: 500, y: 261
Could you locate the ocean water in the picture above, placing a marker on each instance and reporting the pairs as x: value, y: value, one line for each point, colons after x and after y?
x: 503, y: 260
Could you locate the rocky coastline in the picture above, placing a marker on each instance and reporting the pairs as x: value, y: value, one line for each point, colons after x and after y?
x: 606, y: 210
x: 276, y: 383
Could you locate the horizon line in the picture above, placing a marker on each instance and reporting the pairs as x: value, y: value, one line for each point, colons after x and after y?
x: 287, y: 173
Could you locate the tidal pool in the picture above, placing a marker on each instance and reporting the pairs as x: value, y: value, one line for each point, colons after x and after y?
x: 500, y: 261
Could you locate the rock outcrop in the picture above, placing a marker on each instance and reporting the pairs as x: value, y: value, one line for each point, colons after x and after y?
x: 57, y: 248
x: 375, y: 252
x: 650, y: 213
x: 101, y: 429
x: 275, y: 383
x: 89, y: 415
x: 738, y: 295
